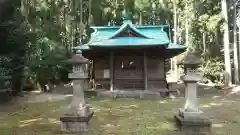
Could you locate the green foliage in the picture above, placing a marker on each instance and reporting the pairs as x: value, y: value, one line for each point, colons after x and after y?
x: 213, y: 69
x: 36, y: 36
x: 15, y: 43
x: 4, y: 70
x: 203, y: 17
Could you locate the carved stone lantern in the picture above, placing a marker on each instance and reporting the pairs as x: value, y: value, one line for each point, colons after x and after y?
x: 78, y: 114
x: 190, y: 114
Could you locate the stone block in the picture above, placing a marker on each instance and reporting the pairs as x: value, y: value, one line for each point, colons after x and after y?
x: 192, y: 121
x: 128, y: 94
x: 150, y: 95
x: 192, y: 115
x: 75, y: 124
x: 193, y: 126
x: 77, y: 75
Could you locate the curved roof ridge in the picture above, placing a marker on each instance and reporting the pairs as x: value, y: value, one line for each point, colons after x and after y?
x: 151, y: 26
x: 136, y: 26
x: 124, y: 26
x: 105, y: 27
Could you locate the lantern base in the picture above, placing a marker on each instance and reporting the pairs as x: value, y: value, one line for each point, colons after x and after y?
x: 192, y: 120
x: 189, y: 115
x: 75, y: 124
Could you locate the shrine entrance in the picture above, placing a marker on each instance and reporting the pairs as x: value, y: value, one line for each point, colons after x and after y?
x: 128, y: 72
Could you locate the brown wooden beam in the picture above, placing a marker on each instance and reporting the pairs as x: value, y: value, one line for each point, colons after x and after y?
x: 145, y: 71
x: 111, y: 71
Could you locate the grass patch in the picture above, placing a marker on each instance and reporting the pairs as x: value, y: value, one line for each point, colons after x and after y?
x: 112, y: 117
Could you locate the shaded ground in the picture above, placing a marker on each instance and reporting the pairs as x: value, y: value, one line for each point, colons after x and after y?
x: 44, y: 97
x: 118, y: 117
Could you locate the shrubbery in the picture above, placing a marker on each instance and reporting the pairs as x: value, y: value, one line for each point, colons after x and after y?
x: 213, y: 70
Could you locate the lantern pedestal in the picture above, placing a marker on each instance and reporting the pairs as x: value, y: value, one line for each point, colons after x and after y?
x: 77, y: 117
x: 190, y: 119
x: 78, y: 114
x: 190, y: 116
x: 76, y: 123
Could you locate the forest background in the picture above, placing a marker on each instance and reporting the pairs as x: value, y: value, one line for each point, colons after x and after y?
x: 37, y: 35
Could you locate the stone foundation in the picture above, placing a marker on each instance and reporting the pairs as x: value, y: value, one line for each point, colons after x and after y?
x: 75, y: 123
x: 193, y: 121
x: 141, y: 94
x: 193, y: 127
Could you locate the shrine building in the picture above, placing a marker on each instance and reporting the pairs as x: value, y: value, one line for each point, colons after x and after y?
x: 130, y: 57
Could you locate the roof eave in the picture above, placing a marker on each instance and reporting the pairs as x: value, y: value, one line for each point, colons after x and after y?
x: 116, y: 46
x: 84, y: 47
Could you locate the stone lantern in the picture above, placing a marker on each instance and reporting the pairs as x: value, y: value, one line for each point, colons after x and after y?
x: 78, y: 114
x: 190, y: 114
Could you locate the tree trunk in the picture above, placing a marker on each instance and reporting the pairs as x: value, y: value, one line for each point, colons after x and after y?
x: 90, y: 21
x: 186, y: 27
x: 175, y: 35
x: 140, y: 18
x: 235, y: 47
x: 228, y: 76
x: 239, y: 46
x: 81, y: 21
x: 204, y: 45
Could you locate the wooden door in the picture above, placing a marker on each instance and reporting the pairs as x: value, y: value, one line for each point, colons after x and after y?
x: 129, y: 72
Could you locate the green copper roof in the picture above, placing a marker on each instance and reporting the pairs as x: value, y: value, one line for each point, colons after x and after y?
x: 130, y: 35
x: 128, y: 27
x: 170, y: 47
x: 174, y: 50
x: 144, y: 35
x: 103, y: 33
x: 173, y: 46
x: 82, y: 47
x: 129, y: 41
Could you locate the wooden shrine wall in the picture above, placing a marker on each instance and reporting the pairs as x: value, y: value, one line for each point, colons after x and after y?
x: 156, y: 75
x: 129, y: 76
x: 128, y: 73
x: 102, y: 72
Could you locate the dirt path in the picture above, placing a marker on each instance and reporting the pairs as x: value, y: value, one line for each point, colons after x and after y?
x: 33, y: 97
x: 203, y: 91
x: 45, y: 97
x: 36, y: 97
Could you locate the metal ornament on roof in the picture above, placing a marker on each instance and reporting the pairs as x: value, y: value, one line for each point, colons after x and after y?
x: 125, y: 15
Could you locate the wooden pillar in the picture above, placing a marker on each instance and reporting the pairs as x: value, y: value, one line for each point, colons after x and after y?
x: 145, y: 63
x: 111, y: 70
x: 93, y: 74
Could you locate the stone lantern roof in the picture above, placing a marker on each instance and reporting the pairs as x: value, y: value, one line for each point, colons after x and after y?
x: 191, y: 60
x: 78, y: 59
